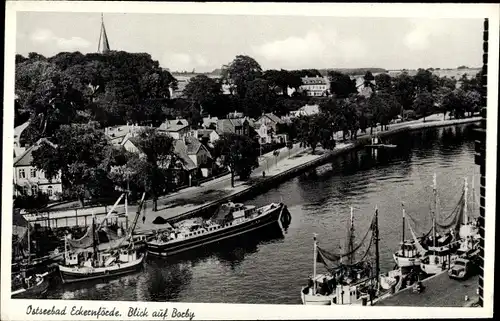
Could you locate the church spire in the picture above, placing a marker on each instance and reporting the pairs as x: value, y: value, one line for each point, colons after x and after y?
x: 103, y: 46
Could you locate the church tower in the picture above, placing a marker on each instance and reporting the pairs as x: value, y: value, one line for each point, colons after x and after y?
x: 103, y: 46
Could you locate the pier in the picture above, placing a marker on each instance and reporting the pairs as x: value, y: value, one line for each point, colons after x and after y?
x: 440, y: 291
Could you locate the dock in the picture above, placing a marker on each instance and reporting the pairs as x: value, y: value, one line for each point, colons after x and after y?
x: 440, y: 291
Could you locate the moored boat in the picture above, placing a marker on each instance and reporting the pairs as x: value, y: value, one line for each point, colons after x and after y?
x: 231, y: 219
x: 344, y: 284
x: 84, y: 260
x: 409, y: 253
x: 444, y: 251
x: 31, y: 287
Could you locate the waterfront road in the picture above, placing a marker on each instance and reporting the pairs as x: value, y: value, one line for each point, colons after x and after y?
x: 195, y: 197
x: 440, y: 291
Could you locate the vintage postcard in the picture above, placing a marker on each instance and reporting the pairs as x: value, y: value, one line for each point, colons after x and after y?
x: 221, y: 161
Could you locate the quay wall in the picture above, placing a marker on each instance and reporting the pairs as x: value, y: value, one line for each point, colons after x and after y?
x: 272, y: 181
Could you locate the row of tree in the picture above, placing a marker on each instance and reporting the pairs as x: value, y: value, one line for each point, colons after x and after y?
x: 392, y: 97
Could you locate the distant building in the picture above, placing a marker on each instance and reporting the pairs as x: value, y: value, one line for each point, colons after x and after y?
x: 29, y: 180
x: 103, y: 46
x: 117, y: 134
x: 209, y: 136
x: 240, y: 126
x: 315, y: 86
x: 177, y: 128
x: 267, y: 127
x: 209, y: 122
x: 235, y: 114
x: 306, y: 110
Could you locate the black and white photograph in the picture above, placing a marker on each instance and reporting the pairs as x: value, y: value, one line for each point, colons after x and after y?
x: 172, y: 158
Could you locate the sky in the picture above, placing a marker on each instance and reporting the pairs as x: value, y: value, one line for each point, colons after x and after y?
x: 206, y: 42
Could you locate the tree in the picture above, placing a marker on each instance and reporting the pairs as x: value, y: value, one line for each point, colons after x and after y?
x: 368, y: 78
x: 258, y: 98
x: 81, y: 154
x: 439, y: 96
x: 404, y: 90
x: 240, y: 71
x: 278, y: 79
x: 202, y: 91
x: 239, y: 152
x: 424, y: 104
x: 383, y: 82
x: 424, y: 81
x: 341, y: 85
x: 158, y: 150
x: 314, y: 130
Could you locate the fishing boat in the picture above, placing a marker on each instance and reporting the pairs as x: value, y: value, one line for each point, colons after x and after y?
x: 409, y: 253
x: 442, y: 253
x: 84, y: 260
x: 230, y: 220
x: 33, y: 286
x: 376, y: 143
x: 25, y: 283
x: 469, y: 230
x: 351, y: 283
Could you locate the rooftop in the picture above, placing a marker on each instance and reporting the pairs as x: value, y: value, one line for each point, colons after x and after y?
x: 26, y: 158
x: 174, y: 125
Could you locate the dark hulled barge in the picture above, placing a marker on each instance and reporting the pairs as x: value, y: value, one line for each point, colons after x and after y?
x: 231, y: 219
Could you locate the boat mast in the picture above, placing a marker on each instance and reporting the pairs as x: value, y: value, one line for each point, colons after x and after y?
x: 29, y: 244
x: 94, y: 245
x: 314, y: 263
x: 434, y: 189
x: 403, y: 234
x: 376, y: 239
x: 351, y: 238
x: 466, y: 191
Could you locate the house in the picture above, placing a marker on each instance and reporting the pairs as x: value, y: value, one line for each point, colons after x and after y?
x: 197, y: 152
x: 209, y: 122
x: 177, y: 128
x: 29, y: 180
x: 235, y: 115
x: 306, y: 110
x: 270, y: 120
x: 240, y: 126
x: 209, y: 136
x: 117, y: 134
x: 130, y: 143
x: 267, y: 128
x: 315, y: 86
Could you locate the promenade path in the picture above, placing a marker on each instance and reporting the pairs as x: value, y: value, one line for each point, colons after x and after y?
x: 196, y: 197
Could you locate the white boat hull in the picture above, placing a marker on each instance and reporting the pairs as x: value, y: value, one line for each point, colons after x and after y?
x: 77, y: 274
x: 309, y: 299
x: 402, y: 261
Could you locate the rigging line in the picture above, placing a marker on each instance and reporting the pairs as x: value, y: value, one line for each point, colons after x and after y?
x: 457, y: 207
x: 456, y: 211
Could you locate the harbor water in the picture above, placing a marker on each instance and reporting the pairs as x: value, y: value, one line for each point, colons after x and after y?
x: 270, y: 266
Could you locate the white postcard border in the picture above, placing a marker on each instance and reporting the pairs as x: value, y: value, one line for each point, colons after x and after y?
x: 16, y: 309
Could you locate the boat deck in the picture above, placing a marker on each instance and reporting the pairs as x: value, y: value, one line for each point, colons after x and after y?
x: 440, y: 291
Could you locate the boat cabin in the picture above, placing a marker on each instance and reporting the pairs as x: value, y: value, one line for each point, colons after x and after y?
x: 439, y: 255
x: 347, y: 294
x: 233, y: 211
x: 408, y: 249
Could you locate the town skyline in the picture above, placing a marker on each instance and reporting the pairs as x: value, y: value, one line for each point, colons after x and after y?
x: 277, y: 42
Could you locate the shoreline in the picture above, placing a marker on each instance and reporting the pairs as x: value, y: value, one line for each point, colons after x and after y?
x: 180, y: 205
x: 272, y: 181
